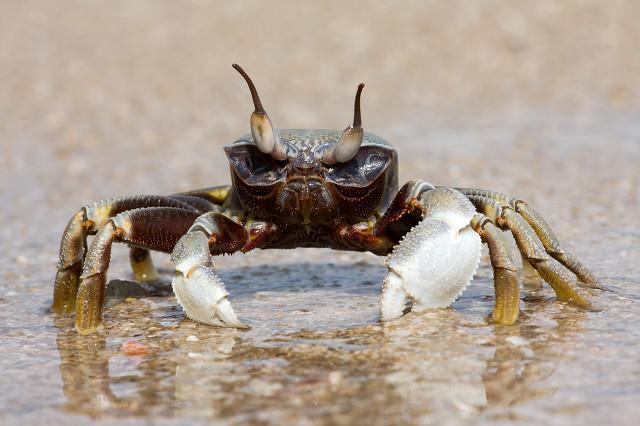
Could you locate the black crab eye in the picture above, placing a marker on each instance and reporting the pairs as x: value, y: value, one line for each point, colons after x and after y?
x: 254, y: 167
x: 363, y: 169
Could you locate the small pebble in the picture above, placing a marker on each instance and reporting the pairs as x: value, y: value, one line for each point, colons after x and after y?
x: 516, y: 341
x: 133, y: 348
x: 335, y: 377
x: 192, y: 338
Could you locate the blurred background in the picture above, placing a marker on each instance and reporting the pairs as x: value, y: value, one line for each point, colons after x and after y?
x: 120, y: 97
x: 536, y: 99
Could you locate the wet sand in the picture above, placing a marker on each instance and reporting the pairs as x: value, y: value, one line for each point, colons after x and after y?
x: 103, y: 100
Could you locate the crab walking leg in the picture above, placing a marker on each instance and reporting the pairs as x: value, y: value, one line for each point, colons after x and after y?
x: 88, y: 220
x: 201, y: 205
x: 531, y: 279
x: 562, y: 282
x: 216, y: 194
x: 542, y: 229
x: 436, y: 259
x: 72, y: 248
x: 553, y: 247
x: 196, y: 286
x: 157, y: 228
x: 142, y: 265
x: 559, y: 278
x: 141, y: 262
x: 505, y: 273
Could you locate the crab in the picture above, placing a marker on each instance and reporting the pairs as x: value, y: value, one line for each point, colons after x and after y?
x: 315, y: 188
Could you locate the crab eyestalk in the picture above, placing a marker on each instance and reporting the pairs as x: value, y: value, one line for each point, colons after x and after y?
x: 264, y: 135
x: 350, y: 140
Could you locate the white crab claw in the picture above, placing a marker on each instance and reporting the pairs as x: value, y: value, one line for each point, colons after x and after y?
x: 198, y: 289
x: 436, y: 259
x: 204, y: 298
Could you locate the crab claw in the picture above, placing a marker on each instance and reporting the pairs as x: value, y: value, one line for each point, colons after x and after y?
x: 436, y: 259
x: 198, y: 289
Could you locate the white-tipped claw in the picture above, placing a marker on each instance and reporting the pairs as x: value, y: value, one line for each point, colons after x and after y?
x: 394, y: 298
x: 204, y: 298
x: 436, y: 260
x: 227, y: 316
x: 198, y: 289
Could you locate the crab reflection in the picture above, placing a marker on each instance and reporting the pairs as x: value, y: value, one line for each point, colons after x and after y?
x: 446, y: 363
x: 474, y: 368
x: 99, y: 376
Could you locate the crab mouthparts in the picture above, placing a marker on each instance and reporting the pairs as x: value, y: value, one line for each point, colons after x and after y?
x: 304, y: 201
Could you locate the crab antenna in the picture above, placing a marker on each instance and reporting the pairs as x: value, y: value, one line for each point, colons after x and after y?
x: 262, y: 130
x: 357, y: 118
x: 257, y: 104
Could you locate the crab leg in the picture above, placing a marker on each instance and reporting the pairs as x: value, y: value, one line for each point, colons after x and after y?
x: 505, y: 276
x: 215, y: 194
x: 87, y: 221
x: 142, y: 265
x: 140, y: 258
x: 72, y: 248
x: 553, y: 247
x: 157, y: 228
x: 197, y: 287
x: 531, y: 279
x: 544, y: 232
x: 532, y: 248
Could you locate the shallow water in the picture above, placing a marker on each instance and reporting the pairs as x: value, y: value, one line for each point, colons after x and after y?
x: 83, y: 124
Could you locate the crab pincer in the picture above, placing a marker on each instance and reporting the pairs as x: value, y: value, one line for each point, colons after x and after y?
x: 436, y: 259
x: 196, y: 286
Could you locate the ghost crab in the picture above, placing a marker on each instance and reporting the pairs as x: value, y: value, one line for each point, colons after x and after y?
x: 314, y: 188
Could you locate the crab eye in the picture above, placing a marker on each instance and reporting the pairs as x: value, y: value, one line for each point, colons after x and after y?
x: 254, y: 167
x: 363, y: 169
